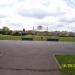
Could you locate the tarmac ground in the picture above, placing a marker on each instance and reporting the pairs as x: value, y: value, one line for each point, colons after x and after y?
x: 32, y: 57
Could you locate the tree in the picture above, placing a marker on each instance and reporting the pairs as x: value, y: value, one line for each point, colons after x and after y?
x: 5, y: 30
x: 10, y: 32
x: 0, y: 31
x: 23, y: 30
x: 16, y: 33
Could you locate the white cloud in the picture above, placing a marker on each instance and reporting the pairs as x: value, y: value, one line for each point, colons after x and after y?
x: 56, y: 14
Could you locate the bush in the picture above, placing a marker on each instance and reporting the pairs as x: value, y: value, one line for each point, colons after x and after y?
x: 27, y: 38
x: 53, y: 38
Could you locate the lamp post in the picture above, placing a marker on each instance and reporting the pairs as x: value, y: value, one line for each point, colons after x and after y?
x: 33, y: 32
x: 47, y: 31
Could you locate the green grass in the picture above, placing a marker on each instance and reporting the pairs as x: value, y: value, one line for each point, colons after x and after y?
x: 70, y: 39
x: 9, y: 37
x: 66, y: 64
x: 40, y: 38
x: 36, y: 37
x: 44, y: 38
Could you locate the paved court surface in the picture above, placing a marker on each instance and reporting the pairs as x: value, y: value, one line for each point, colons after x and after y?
x: 31, y: 57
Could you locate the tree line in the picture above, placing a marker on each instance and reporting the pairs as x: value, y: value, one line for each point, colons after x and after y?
x: 7, y: 31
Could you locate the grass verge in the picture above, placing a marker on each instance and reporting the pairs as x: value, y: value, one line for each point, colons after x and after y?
x: 66, y: 64
x: 68, y: 39
x: 36, y: 38
x: 9, y: 37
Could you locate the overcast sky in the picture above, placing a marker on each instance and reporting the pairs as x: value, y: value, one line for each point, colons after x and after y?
x: 54, y: 14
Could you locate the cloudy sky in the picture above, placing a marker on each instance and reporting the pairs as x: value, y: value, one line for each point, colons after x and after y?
x: 54, y: 14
